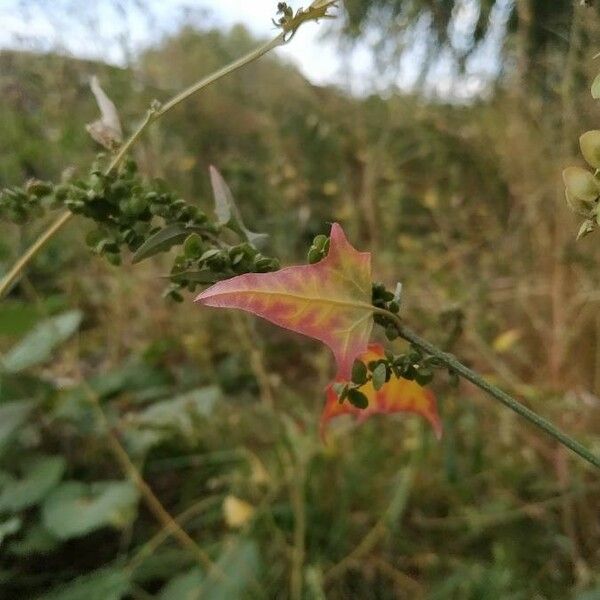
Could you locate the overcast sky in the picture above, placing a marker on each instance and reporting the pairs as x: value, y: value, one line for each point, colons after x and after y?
x: 38, y: 24
x: 95, y: 29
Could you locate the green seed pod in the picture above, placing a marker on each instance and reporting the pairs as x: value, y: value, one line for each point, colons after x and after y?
x: 199, y: 217
x: 264, y: 264
x: 589, y: 143
x: 60, y: 193
x: 119, y: 189
x: 114, y: 259
x: 424, y: 376
x: 581, y: 184
x: 314, y: 256
x: 94, y: 237
x: 38, y: 188
x: 193, y: 247
x: 391, y: 332
x: 320, y: 241
x: 138, y: 205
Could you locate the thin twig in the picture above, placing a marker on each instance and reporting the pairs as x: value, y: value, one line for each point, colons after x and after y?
x: 154, y: 504
x: 150, y: 547
x: 252, y: 347
x: 152, y: 115
x: 381, y: 527
x: 455, y: 365
x: 32, y: 252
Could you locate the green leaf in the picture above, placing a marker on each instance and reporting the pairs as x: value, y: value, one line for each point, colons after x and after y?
x: 357, y: 398
x: 104, y: 584
x: 12, y: 417
x: 202, y: 276
x: 162, y: 241
x: 596, y: 88
x: 74, y: 508
x: 424, y: 376
x: 37, y: 346
x: 40, y: 477
x: 228, y: 214
x: 379, y: 376
x: 161, y: 565
x: 359, y: 372
x: 236, y: 568
x: 37, y: 540
x: 9, y: 527
x: 174, y: 417
x: 187, y: 586
x: 135, y: 376
x: 17, y: 317
x: 241, y: 563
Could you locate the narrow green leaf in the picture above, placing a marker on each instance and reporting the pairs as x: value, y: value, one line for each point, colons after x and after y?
x: 12, y: 417
x: 103, y: 584
x: 186, y: 586
x: 40, y: 476
x: 9, y: 527
x: 227, y: 212
x: 241, y: 563
x: 162, y: 241
x: 173, y: 418
x: 379, y: 376
x: 37, y: 346
x: 202, y: 276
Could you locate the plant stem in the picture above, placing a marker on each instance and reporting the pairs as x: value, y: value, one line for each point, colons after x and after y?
x: 234, y: 66
x: 32, y: 252
x: 152, y: 115
x: 171, y: 527
x: 452, y: 363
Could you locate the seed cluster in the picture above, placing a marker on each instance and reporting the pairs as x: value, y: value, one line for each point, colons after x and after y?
x: 131, y: 213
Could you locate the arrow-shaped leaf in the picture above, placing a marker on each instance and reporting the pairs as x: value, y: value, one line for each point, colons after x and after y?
x: 329, y: 301
x: 397, y: 395
x: 228, y: 214
x: 107, y: 129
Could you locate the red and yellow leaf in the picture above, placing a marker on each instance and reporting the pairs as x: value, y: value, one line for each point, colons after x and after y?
x: 329, y: 301
x: 397, y: 395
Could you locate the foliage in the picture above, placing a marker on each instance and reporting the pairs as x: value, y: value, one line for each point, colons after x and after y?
x: 214, y: 408
x: 380, y: 390
x: 536, y: 33
x: 582, y: 188
x: 329, y: 300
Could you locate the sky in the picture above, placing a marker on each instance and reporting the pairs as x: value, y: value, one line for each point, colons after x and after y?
x: 99, y: 30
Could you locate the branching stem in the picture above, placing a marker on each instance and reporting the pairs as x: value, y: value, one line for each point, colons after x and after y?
x: 452, y: 363
x: 152, y: 115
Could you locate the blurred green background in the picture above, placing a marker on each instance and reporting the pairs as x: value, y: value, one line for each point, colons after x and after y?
x: 457, y: 193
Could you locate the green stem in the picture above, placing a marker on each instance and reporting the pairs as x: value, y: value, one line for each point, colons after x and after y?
x: 452, y: 363
x: 234, y: 66
x: 154, y: 114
